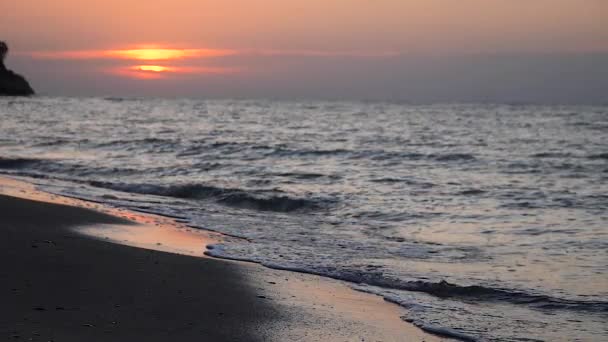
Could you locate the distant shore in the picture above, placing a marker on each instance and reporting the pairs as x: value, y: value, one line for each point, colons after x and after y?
x: 60, y: 285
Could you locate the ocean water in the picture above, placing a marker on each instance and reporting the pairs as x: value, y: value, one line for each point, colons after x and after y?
x: 488, y: 222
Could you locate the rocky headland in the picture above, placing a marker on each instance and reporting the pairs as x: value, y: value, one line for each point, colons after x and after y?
x: 11, y: 83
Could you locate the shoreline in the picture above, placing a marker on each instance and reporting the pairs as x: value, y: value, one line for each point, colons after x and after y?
x: 66, y: 286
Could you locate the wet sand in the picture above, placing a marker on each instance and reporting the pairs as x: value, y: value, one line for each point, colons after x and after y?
x: 57, y: 284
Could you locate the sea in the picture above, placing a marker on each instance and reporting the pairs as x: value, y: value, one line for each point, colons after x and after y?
x: 487, y: 222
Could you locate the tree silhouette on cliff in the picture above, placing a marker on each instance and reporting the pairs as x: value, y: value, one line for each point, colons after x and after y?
x: 11, y: 84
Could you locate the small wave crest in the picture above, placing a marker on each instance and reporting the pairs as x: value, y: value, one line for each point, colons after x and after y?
x: 599, y: 156
x: 441, y: 289
x: 237, y: 198
x: 472, y: 192
x: 444, y: 289
x: 286, y: 152
x: 452, y: 157
x: 143, y: 141
x: 551, y: 155
x: 58, y: 169
x: 121, y: 99
x: 18, y: 163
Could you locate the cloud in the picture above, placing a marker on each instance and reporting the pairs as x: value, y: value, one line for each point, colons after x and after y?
x: 148, y: 71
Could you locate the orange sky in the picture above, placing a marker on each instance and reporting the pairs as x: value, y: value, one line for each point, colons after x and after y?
x: 306, y: 41
x: 416, y: 26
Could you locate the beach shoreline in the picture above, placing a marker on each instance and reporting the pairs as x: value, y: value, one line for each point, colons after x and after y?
x: 61, y: 285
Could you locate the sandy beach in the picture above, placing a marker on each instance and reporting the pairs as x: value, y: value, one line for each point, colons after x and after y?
x: 58, y: 284
x: 304, y: 170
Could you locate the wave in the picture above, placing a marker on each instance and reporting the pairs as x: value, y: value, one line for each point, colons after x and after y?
x: 379, y: 155
x: 598, y: 156
x: 388, y: 180
x: 406, y: 181
x: 452, y: 157
x: 445, y: 332
x: 396, y: 216
x: 472, y: 192
x: 54, y: 142
x: 184, y: 148
x: 382, y: 155
x: 121, y: 99
x: 306, y: 175
x: 18, y: 163
x: 147, y: 145
x: 198, y: 147
x: 444, y: 289
x: 586, y: 202
x: 551, y: 155
x: 237, y: 198
x: 431, y: 328
x: 441, y: 289
x: 135, y: 141
x: 282, y: 152
x: 57, y: 169
x: 414, y: 156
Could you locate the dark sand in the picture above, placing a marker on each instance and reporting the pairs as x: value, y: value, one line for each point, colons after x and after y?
x: 67, y: 274
x: 57, y: 285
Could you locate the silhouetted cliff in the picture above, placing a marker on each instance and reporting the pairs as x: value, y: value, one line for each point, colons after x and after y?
x: 11, y: 84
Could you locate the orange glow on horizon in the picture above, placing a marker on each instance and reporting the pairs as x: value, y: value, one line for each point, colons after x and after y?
x: 163, y: 54
x: 144, y: 54
x: 420, y: 27
x: 156, y: 54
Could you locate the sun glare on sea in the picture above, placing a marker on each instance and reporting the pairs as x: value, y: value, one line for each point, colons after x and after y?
x: 155, y: 72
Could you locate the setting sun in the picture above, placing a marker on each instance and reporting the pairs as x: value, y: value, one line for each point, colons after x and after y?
x: 143, y: 54
x: 155, y: 54
x: 153, y: 68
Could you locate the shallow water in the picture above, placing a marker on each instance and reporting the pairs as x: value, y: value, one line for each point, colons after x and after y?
x: 508, y: 204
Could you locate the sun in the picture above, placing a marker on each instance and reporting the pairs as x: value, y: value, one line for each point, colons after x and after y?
x: 163, y: 54
x: 151, y: 54
x: 152, y: 68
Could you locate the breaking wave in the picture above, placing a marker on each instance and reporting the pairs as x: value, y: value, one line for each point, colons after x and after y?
x: 599, y: 156
x: 236, y: 198
x: 18, y: 163
x: 441, y: 289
